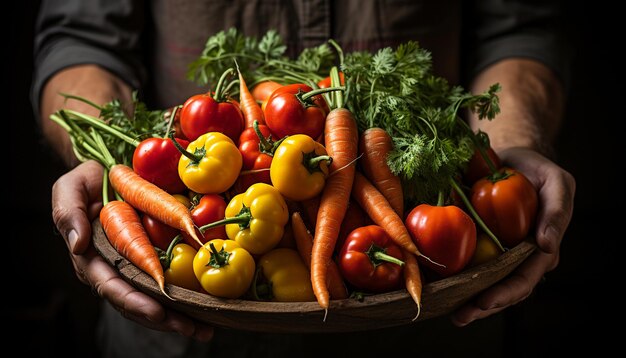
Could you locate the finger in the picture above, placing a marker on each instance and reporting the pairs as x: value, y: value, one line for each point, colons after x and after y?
x: 510, y: 291
x: 110, y: 286
x: 556, y: 188
x: 71, y: 194
x: 557, y: 202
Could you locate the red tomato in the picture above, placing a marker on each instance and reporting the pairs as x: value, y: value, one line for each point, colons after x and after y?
x: 325, y: 82
x: 160, y: 234
x: 287, y: 114
x: 202, y: 113
x: 365, y: 260
x: 257, y: 150
x: 210, y: 208
x: 156, y: 160
x: 508, y: 206
x: 444, y: 234
x: 477, y: 168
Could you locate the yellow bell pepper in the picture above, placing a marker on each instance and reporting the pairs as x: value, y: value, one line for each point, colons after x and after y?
x: 300, y: 167
x: 262, y: 215
x: 283, y: 277
x: 178, y: 265
x: 224, y: 268
x: 210, y: 164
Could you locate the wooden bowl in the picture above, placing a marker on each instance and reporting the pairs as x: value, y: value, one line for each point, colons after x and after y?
x: 376, y: 311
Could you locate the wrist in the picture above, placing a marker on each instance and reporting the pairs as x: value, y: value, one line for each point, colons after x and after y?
x: 89, y: 81
x: 531, y: 103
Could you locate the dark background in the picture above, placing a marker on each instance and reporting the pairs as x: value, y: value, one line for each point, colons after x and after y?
x: 50, y: 313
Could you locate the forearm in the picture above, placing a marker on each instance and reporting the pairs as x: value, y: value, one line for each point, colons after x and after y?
x: 531, y: 103
x: 89, y: 81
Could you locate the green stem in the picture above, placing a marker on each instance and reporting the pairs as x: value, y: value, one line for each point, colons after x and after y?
x: 84, y: 100
x: 440, y: 198
x: 219, y: 89
x: 105, y: 187
x: 475, y: 215
x: 264, y: 145
x: 193, y: 157
x: 169, y: 256
x: 305, y: 96
x: 95, y: 122
x: 378, y: 255
x: 479, y: 145
x: 243, y: 219
x: 171, y: 120
x: 335, y: 80
x: 313, y: 164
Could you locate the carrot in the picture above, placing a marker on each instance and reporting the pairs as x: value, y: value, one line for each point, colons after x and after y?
x: 381, y: 212
x: 124, y: 230
x: 249, y: 106
x: 304, y: 243
x: 262, y: 91
x: 374, y: 146
x: 152, y: 200
x: 413, y: 280
x: 341, y: 138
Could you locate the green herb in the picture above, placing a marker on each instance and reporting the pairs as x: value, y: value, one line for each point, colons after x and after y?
x: 397, y: 91
x: 259, y: 60
x: 121, y: 132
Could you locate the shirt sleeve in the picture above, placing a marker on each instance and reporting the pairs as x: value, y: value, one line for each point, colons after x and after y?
x: 73, y: 32
x: 499, y: 29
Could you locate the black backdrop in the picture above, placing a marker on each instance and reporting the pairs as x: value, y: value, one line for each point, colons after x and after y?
x: 50, y: 313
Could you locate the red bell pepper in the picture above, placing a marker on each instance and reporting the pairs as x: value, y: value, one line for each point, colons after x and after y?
x: 369, y: 260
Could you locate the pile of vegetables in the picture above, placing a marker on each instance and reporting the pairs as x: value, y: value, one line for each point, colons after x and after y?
x: 305, y: 179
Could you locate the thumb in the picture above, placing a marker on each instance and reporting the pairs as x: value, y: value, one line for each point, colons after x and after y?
x: 75, y: 202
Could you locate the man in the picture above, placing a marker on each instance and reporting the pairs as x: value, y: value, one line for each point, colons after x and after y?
x: 104, y: 50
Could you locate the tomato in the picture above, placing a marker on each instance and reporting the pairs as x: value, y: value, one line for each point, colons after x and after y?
x: 325, y: 82
x: 202, y: 113
x: 287, y: 113
x: 445, y: 235
x: 477, y: 168
x: 160, y: 234
x: 210, y: 208
x: 507, y: 203
x: 486, y: 250
x: 156, y: 160
x: 257, y: 149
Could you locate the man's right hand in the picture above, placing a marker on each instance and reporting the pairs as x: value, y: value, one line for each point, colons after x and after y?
x: 76, y: 202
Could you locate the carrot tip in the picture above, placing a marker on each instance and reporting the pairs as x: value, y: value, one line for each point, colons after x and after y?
x: 162, y: 287
x: 325, y: 314
x: 419, y: 310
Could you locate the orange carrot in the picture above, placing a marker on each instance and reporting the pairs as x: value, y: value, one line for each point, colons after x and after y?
x: 375, y: 145
x: 304, y: 243
x: 341, y: 138
x: 262, y: 91
x: 124, y: 230
x: 413, y: 280
x: 381, y: 212
x: 249, y: 106
x: 152, y: 200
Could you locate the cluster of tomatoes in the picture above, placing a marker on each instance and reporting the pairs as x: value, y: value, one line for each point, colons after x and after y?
x: 234, y: 172
x: 503, y: 199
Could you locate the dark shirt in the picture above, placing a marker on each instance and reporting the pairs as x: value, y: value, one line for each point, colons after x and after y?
x: 149, y: 44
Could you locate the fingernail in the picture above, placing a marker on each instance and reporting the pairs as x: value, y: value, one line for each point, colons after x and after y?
x: 72, y: 237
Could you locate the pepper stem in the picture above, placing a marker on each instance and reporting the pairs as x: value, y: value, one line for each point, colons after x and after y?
x: 378, y: 255
x: 243, y: 219
x: 312, y: 163
x: 194, y: 157
x: 218, y: 258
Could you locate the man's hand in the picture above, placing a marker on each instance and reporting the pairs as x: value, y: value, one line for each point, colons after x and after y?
x: 556, y: 189
x: 76, y: 201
